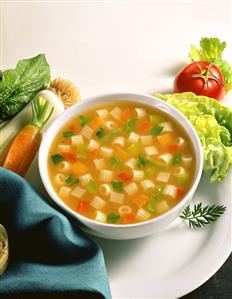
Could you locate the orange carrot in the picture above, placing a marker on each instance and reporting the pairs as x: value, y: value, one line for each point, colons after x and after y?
x: 144, y: 126
x: 174, y: 148
x: 83, y: 206
x: 165, y: 139
x: 124, y: 176
x: 70, y: 156
x: 129, y: 217
x: 140, y: 200
x: 126, y: 114
x: 27, y: 141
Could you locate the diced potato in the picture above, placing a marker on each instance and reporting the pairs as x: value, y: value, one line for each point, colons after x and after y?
x: 102, y: 113
x: 150, y: 150
x: 146, y: 140
x: 64, y: 191
x: 87, y: 132
x: 106, y: 175
x: 143, y: 215
x: 84, y: 179
x: 140, y: 112
x: 138, y: 175
x: 147, y: 185
x: 162, y: 207
x: 98, y: 203
x: 116, y: 113
x: 163, y: 177
x: 116, y: 197
x: 131, y: 189
x: 78, y: 192
x: 106, y: 151
x: 77, y: 139
x: 99, y: 163
x: 100, y: 217
x: 170, y: 190
x: 133, y: 137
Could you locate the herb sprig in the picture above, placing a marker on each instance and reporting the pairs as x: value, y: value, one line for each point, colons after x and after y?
x: 200, y: 216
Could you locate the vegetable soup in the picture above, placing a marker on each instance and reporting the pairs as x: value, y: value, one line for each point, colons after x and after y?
x: 122, y: 163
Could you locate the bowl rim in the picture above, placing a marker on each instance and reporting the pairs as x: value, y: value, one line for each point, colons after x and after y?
x: 122, y: 96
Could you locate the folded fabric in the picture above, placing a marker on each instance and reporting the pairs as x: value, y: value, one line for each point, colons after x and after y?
x: 50, y: 257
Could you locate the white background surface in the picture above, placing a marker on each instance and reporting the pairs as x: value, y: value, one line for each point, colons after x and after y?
x: 107, y: 47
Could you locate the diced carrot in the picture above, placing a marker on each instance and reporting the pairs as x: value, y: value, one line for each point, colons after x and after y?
x: 165, y: 139
x: 174, y: 148
x: 129, y: 217
x: 140, y: 200
x: 72, y: 128
x: 126, y: 114
x: 180, y: 192
x: 70, y: 156
x: 123, y: 155
x: 93, y: 154
x: 82, y: 206
x: 96, y: 123
x: 144, y: 126
x: 124, y: 176
x: 78, y: 168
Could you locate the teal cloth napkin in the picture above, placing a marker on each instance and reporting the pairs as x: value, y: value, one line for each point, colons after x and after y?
x: 50, y: 257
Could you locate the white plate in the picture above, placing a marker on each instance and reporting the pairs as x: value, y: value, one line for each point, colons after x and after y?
x: 171, y: 263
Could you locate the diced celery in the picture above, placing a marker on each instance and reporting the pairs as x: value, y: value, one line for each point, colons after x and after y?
x: 151, y: 203
x: 158, y: 163
x: 156, y: 119
x: 92, y: 187
x: 182, y: 179
x: 134, y: 149
x: 81, y: 151
x: 110, y: 135
x: 150, y: 171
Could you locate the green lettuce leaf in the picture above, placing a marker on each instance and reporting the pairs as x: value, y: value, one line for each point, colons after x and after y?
x: 20, y: 85
x: 213, y: 123
x: 211, y: 50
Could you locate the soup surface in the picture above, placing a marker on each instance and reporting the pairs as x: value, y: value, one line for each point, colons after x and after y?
x: 122, y: 163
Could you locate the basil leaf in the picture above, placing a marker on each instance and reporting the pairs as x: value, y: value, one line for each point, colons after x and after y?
x: 113, y: 218
x: 83, y: 120
x: 68, y: 134
x: 155, y: 131
x: 56, y: 159
x: 117, y: 186
x: 176, y: 159
x: 130, y: 125
x: 70, y: 180
x: 100, y: 133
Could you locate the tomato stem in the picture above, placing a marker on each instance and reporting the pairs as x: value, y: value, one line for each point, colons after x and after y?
x: 205, y: 74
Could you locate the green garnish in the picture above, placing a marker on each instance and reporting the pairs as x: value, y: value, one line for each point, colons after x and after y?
x: 68, y: 134
x: 130, y: 125
x: 70, y: 180
x: 201, y: 216
x: 56, y: 159
x: 113, y: 218
x: 151, y: 203
x: 155, y: 131
x: 115, y: 162
x: 117, y: 186
x: 92, y: 187
x: 141, y: 161
x: 100, y: 133
x: 176, y: 159
x: 83, y: 120
x: 157, y: 163
x: 150, y: 171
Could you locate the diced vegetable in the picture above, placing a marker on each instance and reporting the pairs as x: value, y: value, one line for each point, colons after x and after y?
x: 79, y: 168
x: 78, y: 192
x: 81, y: 151
x: 126, y: 114
x: 163, y: 177
x: 60, y: 178
x: 103, y: 113
x: 115, y: 162
x: 138, y: 175
x: 140, y: 200
x: 131, y: 189
x: 116, y: 113
x: 131, y: 163
x: 147, y: 185
x: 187, y: 160
x: 170, y: 190
x: 96, y: 123
x: 162, y: 207
x: 93, y: 145
x: 141, y: 161
x: 106, y: 151
x: 99, y: 163
x: 167, y: 127
x: 174, y: 148
x: 156, y: 119
x: 165, y: 139
x: 110, y: 125
x: 157, y: 163
x: 124, y: 176
x: 180, y: 141
x: 120, y: 140
x: 83, y: 120
x: 152, y: 203
x: 156, y: 131
x: 87, y: 132
x: 70, y: 156
x: 110, y: 135
x: 77, y: 139
x: 150, y: 172
x: 134, y: 149
x: 116, y: 197
x: 117, y: 186
x: 167, y: 158
x: 71, y: 180
x: 64, y: 148
x: 64, y: 191
x: 100, y: 133
x: 146, y: 140
x: 129, y: 217
x: 56, y: 159
x: 83, y: 206
x: 130, y: 125
x: 98, y: 203
x: 142, y: 215
x: 104, y: 189
x: 72, y: 128
x: 68, y: 134
x: 113, y: 218
x: 121, y: 153
x: 84, y: 179
x: 144, y: 126
x: 100, y: 217
x: 92, y: 187
x: 106, y: 175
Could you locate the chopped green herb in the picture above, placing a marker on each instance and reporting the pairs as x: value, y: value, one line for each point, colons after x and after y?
x: 70, y: 180
x: 201, y: 216
x: 141, y: 161
x: 56, y: 159
x: 83, y: 120
x: 68, y: 134
x: 100, y: 133
x: 92, y: 187
x: 117, y: 186
x: 113, y: 218
x: 130, y: 125
x: 115, y: 162
x: 155, y: 131
x: 176, y: 159
x: 151, y: 203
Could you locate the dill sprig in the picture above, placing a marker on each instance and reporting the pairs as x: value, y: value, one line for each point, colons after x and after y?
x: 201, y: 216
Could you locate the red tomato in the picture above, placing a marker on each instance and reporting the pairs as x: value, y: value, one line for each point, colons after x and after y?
x: 201, y: 78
